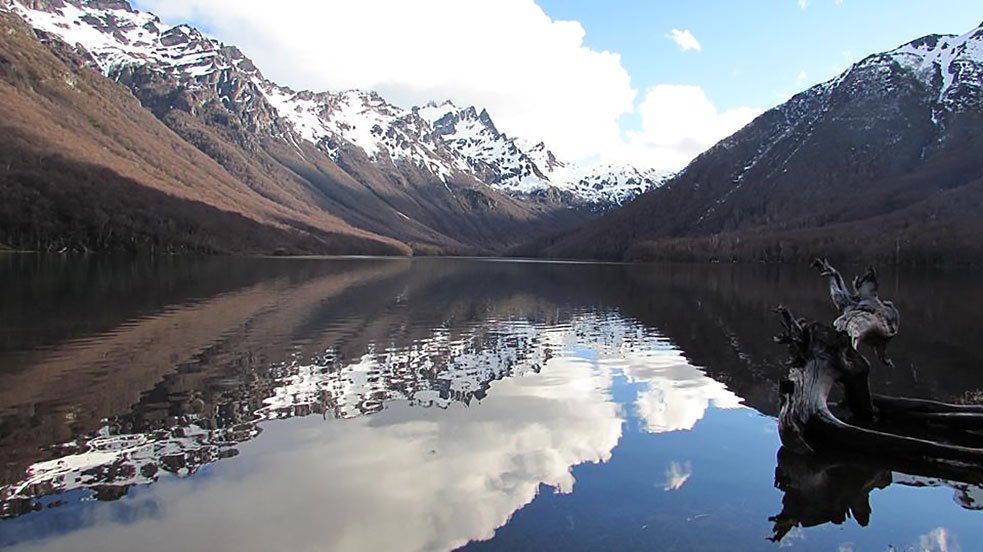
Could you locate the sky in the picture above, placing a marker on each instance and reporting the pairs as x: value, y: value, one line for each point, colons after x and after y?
x: 647, y: 82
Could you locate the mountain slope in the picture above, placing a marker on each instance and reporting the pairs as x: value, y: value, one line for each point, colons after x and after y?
x: 881, y: 162
x: 350, y: 156
x: 83, y: 165
x: 216, y: 100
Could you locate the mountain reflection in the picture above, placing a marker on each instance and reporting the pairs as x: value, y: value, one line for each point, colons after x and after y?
x: 546, y: 408
x: 381, y: 404
x: 553, y: 414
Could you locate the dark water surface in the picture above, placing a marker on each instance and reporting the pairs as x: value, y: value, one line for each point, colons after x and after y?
x: 433, y: 404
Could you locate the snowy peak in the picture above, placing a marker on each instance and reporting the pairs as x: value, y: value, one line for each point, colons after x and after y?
x: 115, y: 36
x: 441, y: 138
x: 519, y: 167
x: 491, y: 155
x: 609, y: 184
x: 941, y: 54
x: 950, y: 66
x: 485, y: 119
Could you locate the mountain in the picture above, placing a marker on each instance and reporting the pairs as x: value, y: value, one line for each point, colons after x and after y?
x: 881, y: 162
x: 310, y: 168
x: 522, y: 169
x: 84, y: 165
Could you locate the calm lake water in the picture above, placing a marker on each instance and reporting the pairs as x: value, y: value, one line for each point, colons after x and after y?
x: 437, y: 404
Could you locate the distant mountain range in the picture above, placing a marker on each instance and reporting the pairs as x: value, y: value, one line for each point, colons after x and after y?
x: 122, y: 133
x: 885, y: 161
x: 231, y: 161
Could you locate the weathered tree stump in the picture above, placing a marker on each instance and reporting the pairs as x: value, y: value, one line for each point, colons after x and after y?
x: 823, y: 355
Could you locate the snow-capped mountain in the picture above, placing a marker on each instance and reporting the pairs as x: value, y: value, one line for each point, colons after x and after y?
x: 187, y: 129
x: 136, y: 48
x: 519, y: 167
x: 881, y: 161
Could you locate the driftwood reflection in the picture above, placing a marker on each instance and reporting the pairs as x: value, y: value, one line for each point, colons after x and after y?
x: 828, y: 487
x: 823, y: 489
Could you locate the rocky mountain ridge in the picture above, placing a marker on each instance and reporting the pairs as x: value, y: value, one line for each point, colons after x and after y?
x: 137, y: 49
x: 182, y: 152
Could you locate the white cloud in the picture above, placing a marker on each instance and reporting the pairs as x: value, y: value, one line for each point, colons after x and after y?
x: 684, y: 39
x: 678, y: 123
x: 803, y: 4
x: 533, y: 74
x: 801, y: 78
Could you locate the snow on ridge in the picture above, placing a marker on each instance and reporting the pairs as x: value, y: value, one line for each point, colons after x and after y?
x: 524, y: 167
x: 433, y: 112
x: 440, y: 137
x: 950, y: 59
x: 474, y: 138
x: 117, y: 37
x: 608, y: 183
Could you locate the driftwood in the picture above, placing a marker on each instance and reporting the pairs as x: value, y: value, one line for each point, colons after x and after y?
x: 863, y: 315
x: 825, y: 355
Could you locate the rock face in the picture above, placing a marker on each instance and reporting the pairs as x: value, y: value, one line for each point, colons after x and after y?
x: 436, y: 178
x: 882, y: 162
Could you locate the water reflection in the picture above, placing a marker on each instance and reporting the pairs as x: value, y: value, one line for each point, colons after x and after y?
x: 832, y: 488
x: 404, y: 478
x: 408, y: 476
x: 398, y: 404
x: 676, y: 394
x: 676, y: 475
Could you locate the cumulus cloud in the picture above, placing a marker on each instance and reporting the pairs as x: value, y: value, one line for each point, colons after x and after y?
x: 684, y: 39
x: 678, y: 123
x: 533, y: 74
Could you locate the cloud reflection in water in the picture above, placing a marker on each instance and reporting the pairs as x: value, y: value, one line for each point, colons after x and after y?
x: 406, y: 477
x: 676, y: 394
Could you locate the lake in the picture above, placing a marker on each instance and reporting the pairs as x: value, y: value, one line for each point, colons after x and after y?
x: 439, y: 404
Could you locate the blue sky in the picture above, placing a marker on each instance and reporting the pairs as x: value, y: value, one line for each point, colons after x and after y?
x: 759, y: 52
x: 597, y: 81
